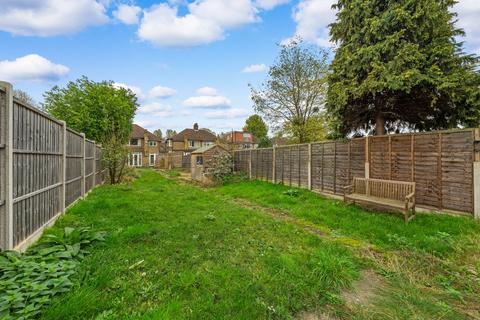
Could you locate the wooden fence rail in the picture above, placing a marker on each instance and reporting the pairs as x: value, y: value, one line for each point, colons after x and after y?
x: 44, y: 168
x: 445, y: 165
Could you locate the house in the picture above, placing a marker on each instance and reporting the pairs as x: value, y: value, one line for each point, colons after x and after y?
x: 200, y: 160
x: 144, y: 147
x: 238, y: 140
x: 189, y: 140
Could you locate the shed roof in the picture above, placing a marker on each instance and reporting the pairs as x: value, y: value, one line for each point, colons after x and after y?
x: 206, y: 148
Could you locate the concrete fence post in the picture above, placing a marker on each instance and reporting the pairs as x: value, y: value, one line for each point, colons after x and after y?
x: 8, y: 239
x: 83, y: 164
x: 64, y: 165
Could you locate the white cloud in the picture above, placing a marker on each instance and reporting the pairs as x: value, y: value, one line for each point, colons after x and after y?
x: 136, y: 90
x: 255, y: 68
x: 207, y: 102
x: 33, y: 68
x: 270, y: 4
x: 161, y: 26
x: 156, y: 109
x: 50, y: 17
x: 468, y: 16
x: 161, y: 92
x: 127, y: 14
x: 228, y: 114
x: 225, y: 13
x: 312, y: 18
x: 208, y: 91
x: 205, y: 21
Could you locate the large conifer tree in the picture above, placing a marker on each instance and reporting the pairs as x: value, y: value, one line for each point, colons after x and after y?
x: 398, y: 64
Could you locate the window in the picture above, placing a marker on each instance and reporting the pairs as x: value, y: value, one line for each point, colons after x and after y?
x: 247, y: 136
x: 169, y: 143
x: 207, y: 143
x: 152, y: 159
x: 136, y: 160
x: 134, y: 142
x: 199, y: 160
x: 152, y: 143
x: 191, y: 143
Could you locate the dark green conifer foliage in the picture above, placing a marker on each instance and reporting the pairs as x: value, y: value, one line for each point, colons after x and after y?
x: 398, y: 64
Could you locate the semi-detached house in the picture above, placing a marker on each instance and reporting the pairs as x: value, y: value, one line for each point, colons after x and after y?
x: 144, y: 147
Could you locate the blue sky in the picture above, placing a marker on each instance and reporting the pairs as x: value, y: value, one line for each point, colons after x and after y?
x: 188, y: 61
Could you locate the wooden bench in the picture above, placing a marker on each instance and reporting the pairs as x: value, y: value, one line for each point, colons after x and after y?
x: 384, y: 194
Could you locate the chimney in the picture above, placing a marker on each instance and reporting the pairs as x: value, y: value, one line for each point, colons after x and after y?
x: 195, y: 127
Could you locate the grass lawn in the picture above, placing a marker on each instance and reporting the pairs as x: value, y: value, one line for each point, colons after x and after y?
x: 179, y: 251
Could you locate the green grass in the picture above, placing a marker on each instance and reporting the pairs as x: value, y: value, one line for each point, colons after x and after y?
x: 435, y: 234
x: 201, y: 256
x: 179, y: 251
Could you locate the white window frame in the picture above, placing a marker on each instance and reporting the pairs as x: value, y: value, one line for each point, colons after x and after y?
x: 152, y: 143
x: 191, y: 143
x: 138, y: 142
x: 150, y: 159
x: 138, y: 157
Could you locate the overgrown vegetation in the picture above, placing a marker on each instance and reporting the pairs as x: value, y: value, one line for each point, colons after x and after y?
x: 28, y: 281
x: 220, y: 167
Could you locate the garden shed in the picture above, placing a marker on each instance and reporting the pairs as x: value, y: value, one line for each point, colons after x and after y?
x: 200, y: 160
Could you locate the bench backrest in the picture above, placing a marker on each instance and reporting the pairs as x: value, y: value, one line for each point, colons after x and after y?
x: 389, y: 189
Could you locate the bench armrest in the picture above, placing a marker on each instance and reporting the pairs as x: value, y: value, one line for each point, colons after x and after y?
x: 410, y: 196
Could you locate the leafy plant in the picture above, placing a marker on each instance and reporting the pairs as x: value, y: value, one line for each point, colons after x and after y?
x: 29, y: 280
x: 220, y: 167
x: 291, y: 193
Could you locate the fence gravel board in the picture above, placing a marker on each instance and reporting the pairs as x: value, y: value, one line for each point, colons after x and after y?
x: 441, y: 164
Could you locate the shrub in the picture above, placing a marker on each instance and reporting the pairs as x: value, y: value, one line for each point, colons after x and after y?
x: 220, y: 167
x: 29, y: 280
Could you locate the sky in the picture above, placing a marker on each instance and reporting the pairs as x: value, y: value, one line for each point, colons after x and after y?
x: 187, y: 61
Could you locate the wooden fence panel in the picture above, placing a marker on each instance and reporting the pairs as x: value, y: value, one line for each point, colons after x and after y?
x: 357, y: 158
x: 401, y: 158
x: 75, y: 167
x: 89, y: 165
x: 317, y: 166
x: 99, y: 170
x: 426, y: 169
x: 37, y: 170
x: 441, y: 164
x: 457, y: 171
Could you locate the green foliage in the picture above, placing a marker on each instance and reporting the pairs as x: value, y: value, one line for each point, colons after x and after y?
x: 265, y: 142
x: 291, y: 192
x: 158, y: 133
x: 398, y: 65
x: 170, y: 133
x: 293, y: 96
x: 256, y: 126
x: 220, y: 167
x: 100, y: 110
x: 28, y: 281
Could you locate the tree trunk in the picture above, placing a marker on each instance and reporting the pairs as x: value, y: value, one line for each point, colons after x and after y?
x: 379, y: 124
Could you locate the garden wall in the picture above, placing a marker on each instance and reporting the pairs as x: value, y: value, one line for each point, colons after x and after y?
x: 44, y: 168
x: 440, y: 163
